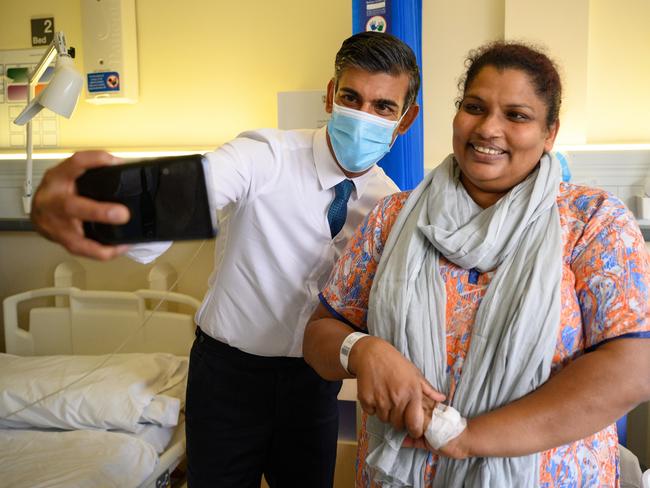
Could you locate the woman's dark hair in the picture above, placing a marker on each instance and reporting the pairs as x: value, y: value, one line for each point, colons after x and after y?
x: 379, y: 53
x: 516, y: 55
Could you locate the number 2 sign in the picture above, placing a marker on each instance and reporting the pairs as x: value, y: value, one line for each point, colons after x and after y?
x: 42, y: 31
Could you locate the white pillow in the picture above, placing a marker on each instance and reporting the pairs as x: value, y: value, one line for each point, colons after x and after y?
x: 162, y: 410
x: 112, y: 397
x: 81, y: 458
x: 159, y: 437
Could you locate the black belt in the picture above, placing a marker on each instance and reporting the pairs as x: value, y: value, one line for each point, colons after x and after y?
x: 224, y: 349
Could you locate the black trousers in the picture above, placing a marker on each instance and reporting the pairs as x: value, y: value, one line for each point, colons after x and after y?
x: 249, y: 415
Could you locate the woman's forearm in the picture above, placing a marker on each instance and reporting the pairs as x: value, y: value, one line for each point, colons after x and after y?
x: 321, y: 345
x: 389, y: 386
x: 586, y: 396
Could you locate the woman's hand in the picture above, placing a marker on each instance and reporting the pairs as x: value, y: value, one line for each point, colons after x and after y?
x: 58, y: 211
x: 456, y: 448
x: 584, y: 397
x: 388, y: 385
x: 391, y: 387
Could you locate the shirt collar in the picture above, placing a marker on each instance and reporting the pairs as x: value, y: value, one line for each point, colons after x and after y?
x: 328, y: 171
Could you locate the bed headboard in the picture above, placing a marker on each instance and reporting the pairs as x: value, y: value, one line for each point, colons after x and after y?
x: 97, y: 322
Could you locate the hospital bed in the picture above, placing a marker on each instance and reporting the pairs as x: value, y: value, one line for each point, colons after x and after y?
x: 73, y: 438
x: 67, y: 322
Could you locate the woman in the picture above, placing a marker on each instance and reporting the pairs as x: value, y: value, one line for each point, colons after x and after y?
x: 494, y: 287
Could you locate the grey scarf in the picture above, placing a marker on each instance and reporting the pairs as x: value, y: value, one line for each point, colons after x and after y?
x: 515, y: 331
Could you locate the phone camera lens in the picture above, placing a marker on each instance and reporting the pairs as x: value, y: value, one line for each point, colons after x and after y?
x: 165, y: 171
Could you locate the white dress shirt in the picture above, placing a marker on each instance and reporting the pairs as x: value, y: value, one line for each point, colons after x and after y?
x: 274, y: 249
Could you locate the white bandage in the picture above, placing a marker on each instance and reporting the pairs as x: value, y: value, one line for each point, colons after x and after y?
x: 346, y: 347
x: 446, y: 424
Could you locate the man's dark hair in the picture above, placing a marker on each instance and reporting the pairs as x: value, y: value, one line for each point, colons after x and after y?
x: 379, y: 53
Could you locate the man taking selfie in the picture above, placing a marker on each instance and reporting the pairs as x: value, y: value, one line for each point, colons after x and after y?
x: 292, y: 200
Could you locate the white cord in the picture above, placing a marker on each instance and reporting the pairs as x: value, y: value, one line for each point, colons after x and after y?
x: 119, y: 348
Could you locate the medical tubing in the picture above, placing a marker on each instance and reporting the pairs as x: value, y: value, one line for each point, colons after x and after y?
x: 119, y: 348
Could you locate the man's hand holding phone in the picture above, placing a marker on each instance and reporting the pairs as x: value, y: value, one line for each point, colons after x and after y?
x: 91, y: 204
x: 58, y: 211
x: 167, y: 198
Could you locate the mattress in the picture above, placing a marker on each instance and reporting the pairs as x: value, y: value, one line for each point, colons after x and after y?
x: 87, y: 458
x: 91, y: 421
x: 74, y: 413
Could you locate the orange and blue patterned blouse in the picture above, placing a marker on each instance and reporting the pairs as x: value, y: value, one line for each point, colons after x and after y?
x: 605, y: 296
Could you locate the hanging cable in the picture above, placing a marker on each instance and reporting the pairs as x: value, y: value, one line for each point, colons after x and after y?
x: 120, y: 347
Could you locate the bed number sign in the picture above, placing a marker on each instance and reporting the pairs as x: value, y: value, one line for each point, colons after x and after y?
x: 42, y: 31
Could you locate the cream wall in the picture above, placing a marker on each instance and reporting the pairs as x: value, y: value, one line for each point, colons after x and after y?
x: 618, y: 95
x: 254, y: 49
x: 449, y: 31
x: 563, y: 29
x: 208, y: 69
x: 28, y: 261
x: 602, y: 48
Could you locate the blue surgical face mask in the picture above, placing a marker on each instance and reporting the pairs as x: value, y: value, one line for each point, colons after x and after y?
x: 359, y: 139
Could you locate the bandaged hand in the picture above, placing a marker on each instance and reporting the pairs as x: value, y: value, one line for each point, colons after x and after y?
x: 446, y: 424
x: 446, y: 434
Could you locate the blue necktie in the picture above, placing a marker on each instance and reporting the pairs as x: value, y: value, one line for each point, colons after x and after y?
x: 338, y: 210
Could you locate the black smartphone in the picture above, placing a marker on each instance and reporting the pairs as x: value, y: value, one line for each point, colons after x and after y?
x: 167, y: 198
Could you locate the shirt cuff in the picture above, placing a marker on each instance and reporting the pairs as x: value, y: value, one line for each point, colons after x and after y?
x: 147, y: 251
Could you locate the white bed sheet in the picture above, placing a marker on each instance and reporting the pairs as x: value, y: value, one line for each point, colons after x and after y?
x: 80, y: 458
x: 156, y: 435
x: 127, y: 390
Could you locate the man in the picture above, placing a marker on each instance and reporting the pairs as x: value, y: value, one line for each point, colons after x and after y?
x: 253, y: 405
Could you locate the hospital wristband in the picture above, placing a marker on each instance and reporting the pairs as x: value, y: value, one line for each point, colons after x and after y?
x: 346, y: 347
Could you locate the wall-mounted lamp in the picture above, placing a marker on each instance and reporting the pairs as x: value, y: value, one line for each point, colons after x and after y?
x: 60, y: 96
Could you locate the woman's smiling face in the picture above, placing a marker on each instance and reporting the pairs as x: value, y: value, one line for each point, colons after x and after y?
x: 499, y: 133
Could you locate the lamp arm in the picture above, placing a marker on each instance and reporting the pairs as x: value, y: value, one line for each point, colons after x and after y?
x: 29, y: 147
x: 57, y: 47
x: 27, y: 186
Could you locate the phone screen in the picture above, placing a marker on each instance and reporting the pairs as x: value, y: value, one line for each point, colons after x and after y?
x: 167, y: 198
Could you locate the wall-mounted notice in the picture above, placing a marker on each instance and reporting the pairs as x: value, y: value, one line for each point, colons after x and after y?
x: 110, y: 56
x: 371, y: 16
